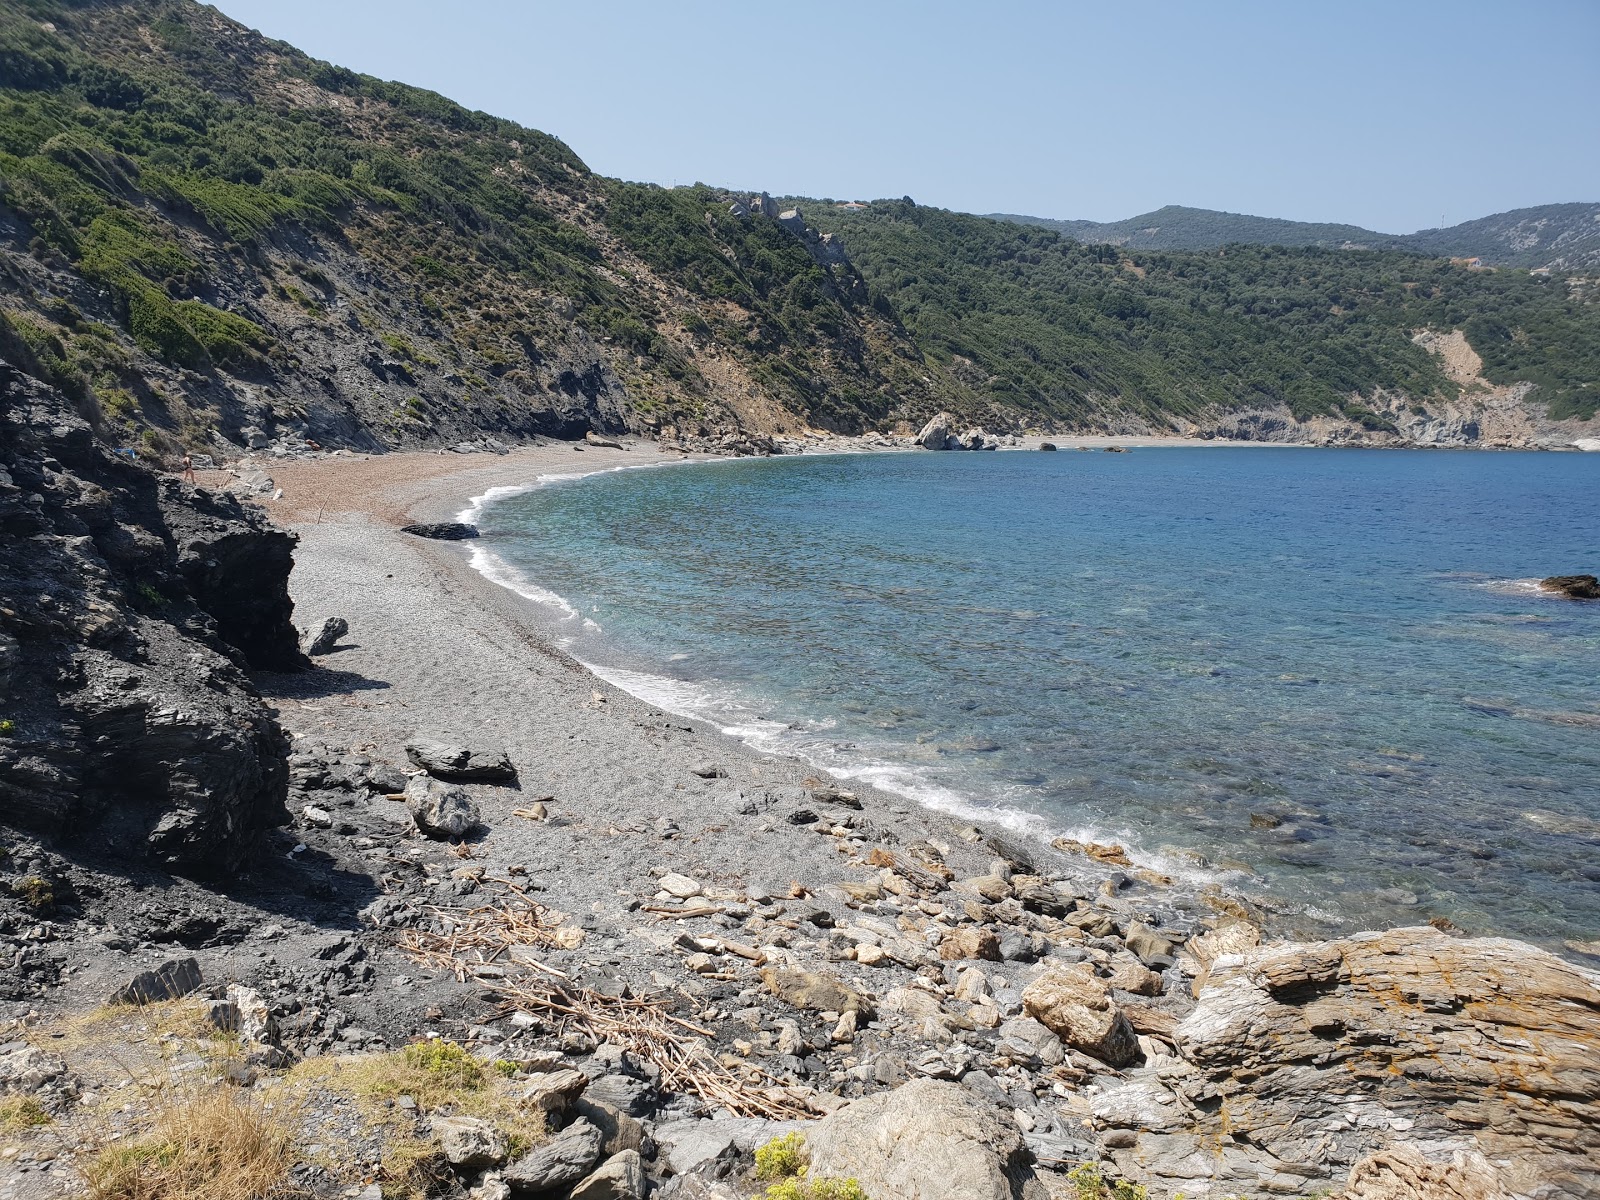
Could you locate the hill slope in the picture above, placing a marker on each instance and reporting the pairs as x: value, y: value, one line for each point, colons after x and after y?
x: 203, y: 230
x: 210, y: 240
x: 1563, y: 237
x: 1178, y: 228
x: 1080, y: 333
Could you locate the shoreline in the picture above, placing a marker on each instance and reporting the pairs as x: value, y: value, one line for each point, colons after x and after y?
x: 459, y: 494
x: 678, y: 949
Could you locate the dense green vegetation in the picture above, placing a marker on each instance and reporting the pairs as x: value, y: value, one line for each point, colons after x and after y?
x: 109, y: 154
x: 1178, y: 228
x: 1060, y: 327
x: 1566, y: 236
x: 199, y: 183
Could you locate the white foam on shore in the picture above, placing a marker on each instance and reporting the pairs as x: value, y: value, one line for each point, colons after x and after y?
x: 719, y: 704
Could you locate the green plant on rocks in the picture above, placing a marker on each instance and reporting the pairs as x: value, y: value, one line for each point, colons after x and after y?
x: 784, y: 1160
x: 781, y: 1158
x: 1090, y: 1184
x: 35, y: 892
x: 800, y: 1188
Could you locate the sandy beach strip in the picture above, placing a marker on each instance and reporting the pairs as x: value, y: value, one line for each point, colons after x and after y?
x: 630, y: 790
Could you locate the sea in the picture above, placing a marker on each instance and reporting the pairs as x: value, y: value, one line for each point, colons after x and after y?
x: 1325, y: 679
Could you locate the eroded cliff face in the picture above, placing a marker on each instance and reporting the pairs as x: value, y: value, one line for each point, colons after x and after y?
x: 130, y: 608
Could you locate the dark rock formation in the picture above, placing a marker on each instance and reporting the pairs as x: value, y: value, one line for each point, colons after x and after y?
x: 444, y: 531
x: 132, y: 607
x: 452, y: 758
x: 328, y: 636
x: 1575, y: 587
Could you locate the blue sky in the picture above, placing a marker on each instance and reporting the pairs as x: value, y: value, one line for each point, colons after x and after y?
x: 1394, y: 115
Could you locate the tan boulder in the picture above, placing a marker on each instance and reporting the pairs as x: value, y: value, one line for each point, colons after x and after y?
x: 1404, y: 1173
x: 926, y: 1140
x: 969, y: 942
x: 814, y: 990
x: 1076, y: 1005
x: 1491, y: 1043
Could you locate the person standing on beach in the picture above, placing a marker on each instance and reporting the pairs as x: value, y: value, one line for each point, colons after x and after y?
x: 188, y: 469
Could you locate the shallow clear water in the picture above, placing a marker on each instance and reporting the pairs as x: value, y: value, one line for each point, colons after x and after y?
x: 1324, y: 671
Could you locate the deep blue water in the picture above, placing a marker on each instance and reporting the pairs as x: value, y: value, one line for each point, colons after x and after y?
x: 1320, y: 675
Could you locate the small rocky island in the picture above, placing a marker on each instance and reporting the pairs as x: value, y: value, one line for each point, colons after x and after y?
x: 1574, y: 587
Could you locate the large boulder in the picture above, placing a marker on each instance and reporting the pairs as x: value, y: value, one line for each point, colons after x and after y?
x: 133, y: 608
x: 1076, y: 1005
x: 927, y: 1140
x: 440, y: 811
x: 448, y: 757
x: 1316, y: 1054
x: 936, y: 432
x: 1574, y: 587
x: 1404, y: 1173
x: 558, y: 1163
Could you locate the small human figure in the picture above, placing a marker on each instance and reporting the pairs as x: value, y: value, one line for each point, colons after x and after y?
x: 188, y: 469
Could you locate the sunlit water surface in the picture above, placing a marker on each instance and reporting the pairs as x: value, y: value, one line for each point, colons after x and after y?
x: 1322, y: 676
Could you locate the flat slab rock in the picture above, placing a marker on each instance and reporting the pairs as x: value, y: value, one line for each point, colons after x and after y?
x: 172, y: 980
x: 447, y: 757
x: 442, y: 531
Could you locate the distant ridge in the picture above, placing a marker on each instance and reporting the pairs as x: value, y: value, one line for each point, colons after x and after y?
x: 1560, y: 236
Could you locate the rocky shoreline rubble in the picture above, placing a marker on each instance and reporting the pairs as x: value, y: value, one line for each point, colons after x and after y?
x: 487, y: 927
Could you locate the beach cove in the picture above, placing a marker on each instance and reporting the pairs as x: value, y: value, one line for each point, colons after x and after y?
x: 850, y: 942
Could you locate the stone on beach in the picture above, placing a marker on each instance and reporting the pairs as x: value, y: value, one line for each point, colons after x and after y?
x: 680, y: 886
x: 170, y: 981
x: 559, y: 1162
x: 440, y: 811
x: 926, y: 1140
x: 621, y: 1177
x: 814, y: 990
x: 1076, y: 1005
x: 453, y: 758
x: 442, y: 531
x: 328, y: 636
x: 470, y: 1142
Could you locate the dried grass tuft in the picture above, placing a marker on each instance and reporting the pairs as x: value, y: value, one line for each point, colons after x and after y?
x: 214, y: 1144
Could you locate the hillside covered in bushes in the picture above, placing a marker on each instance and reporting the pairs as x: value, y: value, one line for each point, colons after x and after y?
x: 206, y: 234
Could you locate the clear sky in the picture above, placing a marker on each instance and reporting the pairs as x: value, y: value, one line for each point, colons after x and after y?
x: 1392, y: 115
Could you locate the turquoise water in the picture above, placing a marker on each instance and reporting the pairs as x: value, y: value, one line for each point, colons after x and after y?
x: 1321, y: 676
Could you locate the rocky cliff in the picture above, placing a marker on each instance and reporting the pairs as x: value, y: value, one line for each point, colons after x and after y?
x: 132, y: 608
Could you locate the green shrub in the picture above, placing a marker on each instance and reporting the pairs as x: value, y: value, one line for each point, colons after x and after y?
x: 446, y: 1064
x: 36, y: 893
x: 1090, y: 1184
x: 781, y: 1157
x: 815, y: 1189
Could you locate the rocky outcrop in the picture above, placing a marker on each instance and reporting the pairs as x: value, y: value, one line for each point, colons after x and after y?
x: 1574, y: 587
x: 452, y: 758
x: 1321, y: 1054
x: 926, y: 1140
x: 132, y: 608
x: 442, y: 531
